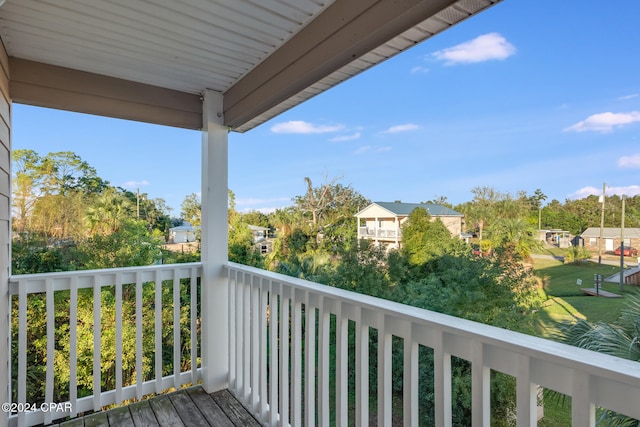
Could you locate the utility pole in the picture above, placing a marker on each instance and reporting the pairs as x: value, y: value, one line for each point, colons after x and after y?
x: 604, y: 186
x: 622, y: 246
x: 137, y: 203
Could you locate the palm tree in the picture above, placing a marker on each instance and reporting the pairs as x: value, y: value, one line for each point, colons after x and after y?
x: 621, y: 340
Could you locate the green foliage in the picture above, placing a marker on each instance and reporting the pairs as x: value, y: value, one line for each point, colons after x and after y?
x: 621, y: 339
x: 423, y: 239
x: 191, y: 209
x: 131, y: 245
x: 576, y: 255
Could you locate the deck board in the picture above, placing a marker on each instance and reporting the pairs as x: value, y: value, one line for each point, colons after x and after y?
x: 165, y: 412
x: 142, y: 414
x: 209, y: 408
x: 191, y: 407
x: 120, y: 417
x: 188, y: 410
x: 234, y: 410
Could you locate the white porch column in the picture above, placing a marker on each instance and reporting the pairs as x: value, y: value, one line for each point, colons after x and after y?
x: 215, y: 294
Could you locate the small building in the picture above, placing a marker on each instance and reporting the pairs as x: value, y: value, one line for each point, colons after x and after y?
x: 611, y: 238
x: 259, y: 233
x: 382, y: 221
x: 184, y: 233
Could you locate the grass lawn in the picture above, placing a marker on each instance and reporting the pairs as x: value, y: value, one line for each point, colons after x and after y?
x: 565, y: 302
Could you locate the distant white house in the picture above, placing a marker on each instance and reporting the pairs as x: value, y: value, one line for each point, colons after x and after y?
x: 382, y: 221
x: 184, y: 233
x: 259, y: 233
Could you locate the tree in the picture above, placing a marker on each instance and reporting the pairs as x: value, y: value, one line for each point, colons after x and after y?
x: 25, y: 184
x: 514, y: 237
x: 329, y: 204
x: 423, y: 239
x: 108, y: 213
x: 481, y: 208
x: 192, y: 209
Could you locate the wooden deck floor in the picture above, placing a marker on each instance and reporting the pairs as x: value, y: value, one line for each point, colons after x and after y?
x: 188, y: 407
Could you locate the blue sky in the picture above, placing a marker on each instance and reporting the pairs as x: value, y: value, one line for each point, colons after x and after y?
x: 526, y: 95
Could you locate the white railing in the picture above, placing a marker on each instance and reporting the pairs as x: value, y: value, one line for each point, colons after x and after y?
x: 290, y: 345
x: 124, y: 296
x: 379, y: 232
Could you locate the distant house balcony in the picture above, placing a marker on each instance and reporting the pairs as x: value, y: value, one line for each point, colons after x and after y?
x: 379, y: 233
x: 288, y: 351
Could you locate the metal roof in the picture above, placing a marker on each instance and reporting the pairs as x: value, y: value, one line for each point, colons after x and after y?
x: 265, y: 56
x: 404, y: 209
x: 611, y: 232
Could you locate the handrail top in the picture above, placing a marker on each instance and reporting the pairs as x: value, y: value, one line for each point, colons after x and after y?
x: 14, y: 278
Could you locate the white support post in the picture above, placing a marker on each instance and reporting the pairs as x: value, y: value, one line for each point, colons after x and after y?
x: 215, y: 290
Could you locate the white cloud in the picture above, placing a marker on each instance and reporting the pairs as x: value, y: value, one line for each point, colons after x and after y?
x: 299, y: 126
x: 487, y: 47
x: 362, y: 149
x: 633, y: 95
x: 402, y: 128
x: 604, y: 122
x: 629, y: 190
x: 135, y: 184
x: 632, y: 161
x: 419, y: 70
x: 344, y: 138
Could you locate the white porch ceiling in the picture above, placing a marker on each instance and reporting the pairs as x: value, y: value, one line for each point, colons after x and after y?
x: 225, y: 45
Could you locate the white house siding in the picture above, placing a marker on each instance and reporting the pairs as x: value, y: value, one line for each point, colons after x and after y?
x: 5, y: 215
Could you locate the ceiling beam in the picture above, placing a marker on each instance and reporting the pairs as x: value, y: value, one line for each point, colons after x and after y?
x: 44, y: 85
x: 345, y: 31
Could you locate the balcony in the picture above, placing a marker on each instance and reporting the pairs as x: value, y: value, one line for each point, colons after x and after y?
x: 298, y: 352
x: 379, y: 233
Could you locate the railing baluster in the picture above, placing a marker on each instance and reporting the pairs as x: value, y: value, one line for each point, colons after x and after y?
x: 526, y: 394
x: 273, y: 354
x: 177, y: 345
x: 310, y: 376
x: 97, y: 373
x: 73, y: 345
x: 193, y: 297
x: 233, y: 330
x: 362, y: 371
x: 323, y: 364
x: 51, y: 324
x: 139, y: 354
x: 296, y: 361
x: 410, y: 380
x: 342, y: 360
x: 118, y: 285
x: 246, y: 338
x: 284, y: 354
x: 480, y: 387
x: 264, y: 307
x: 442, y: 382
x: 384, y: 375
x: 583, y: 412
x: 239, y: 329
x: 256, y: 348
x: 158, y: 330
